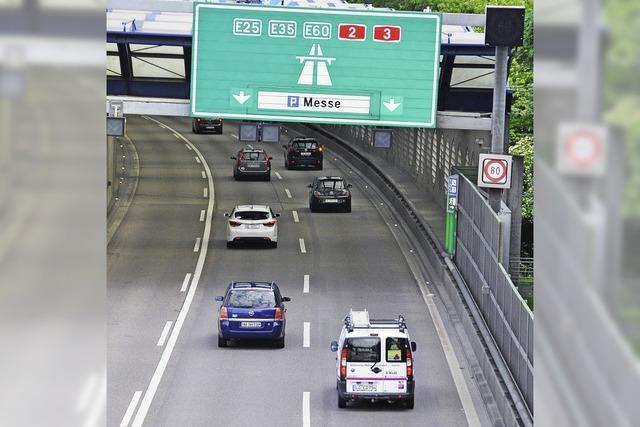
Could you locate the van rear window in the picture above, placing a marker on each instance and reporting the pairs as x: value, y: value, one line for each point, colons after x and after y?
x: 365, y: 349
x: 396, y: 349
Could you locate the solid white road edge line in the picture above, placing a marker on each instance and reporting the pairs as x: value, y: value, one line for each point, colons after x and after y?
x: 295, y: 216
x: 452, y: 361
x: 306, y: 337
x: 286, y: 190
x: 303, y: 249
x: 306, y: 410
x: 278, y: 175
x: 202, y: 212
x: 175, y: 332
x: 196, y: 247
x: 185, y: 282
x: 165, y: 332
x: 305, y: 288
x: 132, y: 406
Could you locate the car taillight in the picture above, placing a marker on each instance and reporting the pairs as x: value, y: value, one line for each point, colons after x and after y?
x: 269, y: 223
x: 278, y: 315
x: 234, y: 223
x: 223, y: 314
x: 343, y: 363
x: 409, y: 364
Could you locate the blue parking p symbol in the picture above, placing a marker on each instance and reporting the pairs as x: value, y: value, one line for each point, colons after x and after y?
x: 293, y: 101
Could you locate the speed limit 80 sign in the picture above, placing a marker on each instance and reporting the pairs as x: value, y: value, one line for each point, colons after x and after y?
x: 494, y: 171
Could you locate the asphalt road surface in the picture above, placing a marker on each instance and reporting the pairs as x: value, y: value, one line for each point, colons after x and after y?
x: 164, y: 365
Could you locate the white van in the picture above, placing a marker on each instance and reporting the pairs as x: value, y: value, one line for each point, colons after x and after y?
x: 374, y: 361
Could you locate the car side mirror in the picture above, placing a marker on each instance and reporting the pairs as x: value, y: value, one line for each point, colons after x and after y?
x: 413, y: 346
x: 349, y: 185
x: 270, y: 158
x: 226, y: 214
x: 334, y: 345
x: 310, y: 185
x: 219, y: 298
x: 286, y: 299
x: 284, y: 146
x: 233, y: 157
x: 277, y: 215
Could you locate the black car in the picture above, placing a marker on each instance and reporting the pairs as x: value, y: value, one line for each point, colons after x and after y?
x: 329, y: 192
x: 199, y: 125
x: 303, y: 151
x: 252, y: 310
x: 252, y: 163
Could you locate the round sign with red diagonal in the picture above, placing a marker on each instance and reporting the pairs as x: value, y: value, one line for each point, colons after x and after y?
x: 494, y: 171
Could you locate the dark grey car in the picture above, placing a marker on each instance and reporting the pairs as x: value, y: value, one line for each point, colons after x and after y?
x: 199, y: 125
x: 329, y: 192
x: 252, y: 163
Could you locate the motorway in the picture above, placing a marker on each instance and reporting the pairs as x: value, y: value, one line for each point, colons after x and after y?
x: 165, y: 269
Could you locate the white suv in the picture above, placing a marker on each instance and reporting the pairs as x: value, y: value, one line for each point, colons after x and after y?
x: 375, y: 360
x: 255, y: 223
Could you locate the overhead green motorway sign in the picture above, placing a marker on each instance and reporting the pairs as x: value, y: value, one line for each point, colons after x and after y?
x: 315, y: 65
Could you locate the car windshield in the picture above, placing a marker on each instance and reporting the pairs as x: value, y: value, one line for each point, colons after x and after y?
x: 363, y: 349
x: 396, y: 349
x: 251, y: 298
x: 252, y: 155
x: 331, y: 184
x: 305, y: 144
x: 251, y: 215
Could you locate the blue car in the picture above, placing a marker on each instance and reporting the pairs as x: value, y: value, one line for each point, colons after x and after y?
x: 252, y: 310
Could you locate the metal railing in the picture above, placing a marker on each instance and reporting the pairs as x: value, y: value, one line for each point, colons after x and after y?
x: 509, y: 319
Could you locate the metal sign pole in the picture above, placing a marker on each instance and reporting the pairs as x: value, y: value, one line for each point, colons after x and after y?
x: 498, y: 116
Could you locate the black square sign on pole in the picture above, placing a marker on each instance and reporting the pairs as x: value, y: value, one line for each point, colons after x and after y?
x: 504, y: 26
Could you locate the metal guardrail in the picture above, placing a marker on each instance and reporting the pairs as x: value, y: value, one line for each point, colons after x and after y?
x: 521, y: 271
x: 507, y: 315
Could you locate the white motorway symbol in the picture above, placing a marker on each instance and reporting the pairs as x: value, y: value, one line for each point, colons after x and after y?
x: 321, y: 102
x: 241, y: 97
x: 316, y: 58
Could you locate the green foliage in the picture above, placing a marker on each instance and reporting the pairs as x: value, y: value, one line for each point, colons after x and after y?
x: 524, y: 147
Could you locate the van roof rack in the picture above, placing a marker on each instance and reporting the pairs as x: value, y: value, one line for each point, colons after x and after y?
x: 359, y: 319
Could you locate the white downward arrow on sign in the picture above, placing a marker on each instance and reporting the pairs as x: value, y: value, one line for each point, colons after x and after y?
x: 391, y: 105
x: 242, y: 98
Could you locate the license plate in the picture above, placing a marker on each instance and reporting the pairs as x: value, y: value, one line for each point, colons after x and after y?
x: 252, y: 226
x: 305, y: 154
x: 250, y: 324
x: 331, y: 200
x: 366, y: 387
x: 253, y: 165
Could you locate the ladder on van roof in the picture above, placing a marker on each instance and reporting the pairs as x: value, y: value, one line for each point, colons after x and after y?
x: 359, y: 319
